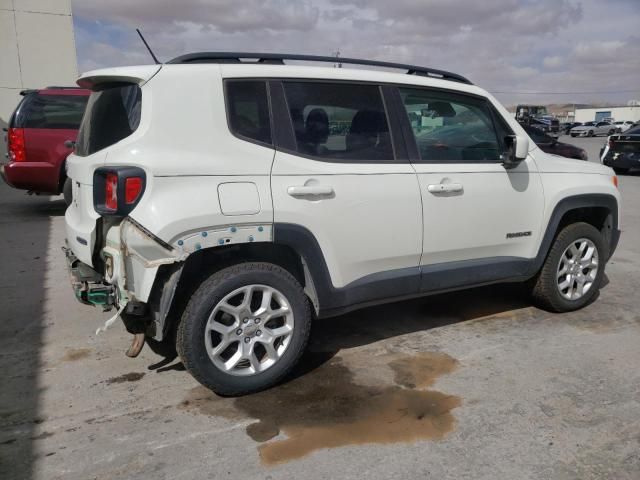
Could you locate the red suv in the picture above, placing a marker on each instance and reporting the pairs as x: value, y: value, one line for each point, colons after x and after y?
x: 40, y: 135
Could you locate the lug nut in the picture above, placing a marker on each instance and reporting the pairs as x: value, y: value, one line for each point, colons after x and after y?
x: 239, y: 331
x: 247, y: 340
x: 246, y: 320
x: 257, y: 320
x: 258, y: 333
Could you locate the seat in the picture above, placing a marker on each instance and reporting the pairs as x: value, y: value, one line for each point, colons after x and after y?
x: 316, y: 132
x: 369, y: 135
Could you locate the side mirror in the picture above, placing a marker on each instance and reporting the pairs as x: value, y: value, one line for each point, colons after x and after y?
x: 517, y: 149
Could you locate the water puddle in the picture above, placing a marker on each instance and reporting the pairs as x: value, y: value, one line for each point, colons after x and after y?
x: 326, y: 408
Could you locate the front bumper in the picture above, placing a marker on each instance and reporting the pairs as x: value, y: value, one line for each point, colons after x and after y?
x: 88, y: 285
x: 581, y: 133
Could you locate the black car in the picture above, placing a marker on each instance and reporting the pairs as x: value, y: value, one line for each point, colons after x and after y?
x: 551, y: 145
x: 622, y: 151
x: 566, y: 127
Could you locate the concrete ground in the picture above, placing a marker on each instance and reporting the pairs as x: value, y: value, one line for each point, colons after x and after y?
x: 476, y: 384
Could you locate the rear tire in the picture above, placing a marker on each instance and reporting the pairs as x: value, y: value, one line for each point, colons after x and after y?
x: 228, y: 338
x: 621, y: 171
x: 548, y: 291
x: 591, y: 133
x: 67, y: 191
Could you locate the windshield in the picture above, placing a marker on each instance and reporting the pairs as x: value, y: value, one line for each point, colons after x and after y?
x: 589, y: 124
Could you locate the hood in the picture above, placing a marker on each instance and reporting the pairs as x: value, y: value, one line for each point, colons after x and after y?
x: 548, y: 163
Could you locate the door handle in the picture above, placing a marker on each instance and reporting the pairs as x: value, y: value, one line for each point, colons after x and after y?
x: 310, y: 190
x: 444, y: 187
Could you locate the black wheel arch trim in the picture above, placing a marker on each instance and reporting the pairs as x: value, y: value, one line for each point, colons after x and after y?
x: 575, y: 202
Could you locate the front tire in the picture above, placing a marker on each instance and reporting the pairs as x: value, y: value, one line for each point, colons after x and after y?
x: 591, y: 134
x: 572, y: 273
x: 244, y: 329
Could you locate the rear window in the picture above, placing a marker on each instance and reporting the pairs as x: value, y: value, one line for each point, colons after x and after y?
x: 248, y: 110
x: 50, y: 111
x: 113, y: 113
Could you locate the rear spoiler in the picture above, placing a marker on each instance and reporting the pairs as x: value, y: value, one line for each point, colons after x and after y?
x: 138, y: 75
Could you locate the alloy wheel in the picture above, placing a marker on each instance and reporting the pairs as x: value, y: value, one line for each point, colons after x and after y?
x: 577, y: 269
x: 249, y: 330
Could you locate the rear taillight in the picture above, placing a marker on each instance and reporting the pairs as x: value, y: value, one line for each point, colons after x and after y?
x: 16, y: 145
x: 132, y: 189
x: 117, y: 190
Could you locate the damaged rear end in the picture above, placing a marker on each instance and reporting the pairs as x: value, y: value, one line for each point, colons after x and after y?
x: 622, y: 151
x: 109, y: 255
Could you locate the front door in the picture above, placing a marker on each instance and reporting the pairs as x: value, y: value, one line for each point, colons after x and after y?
x: 342, y: 182
x: 481, y: 221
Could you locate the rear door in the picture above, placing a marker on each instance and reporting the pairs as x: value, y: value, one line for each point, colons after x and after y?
x: 481, y: 221
x: 341, y: 177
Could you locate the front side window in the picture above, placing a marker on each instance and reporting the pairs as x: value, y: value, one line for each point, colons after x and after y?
x: 248, y: 109
x: 339, y: 121
x: 450, y: 127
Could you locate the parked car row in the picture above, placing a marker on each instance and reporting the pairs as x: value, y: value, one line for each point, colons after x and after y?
x: 592, y: 129
x: 618, y: 127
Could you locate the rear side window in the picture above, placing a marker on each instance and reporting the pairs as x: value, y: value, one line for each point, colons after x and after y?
x: 338, y: 121
x: 248, y: 110
x: 451, y: 128
x: 50, y: 111
x: 113, y: 113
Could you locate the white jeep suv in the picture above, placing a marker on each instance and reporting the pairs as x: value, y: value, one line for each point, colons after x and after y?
x: 222, y: 201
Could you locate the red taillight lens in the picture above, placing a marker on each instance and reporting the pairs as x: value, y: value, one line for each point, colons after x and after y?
x: 16, y: 145
x: 111, y: 191
x: 132, y: 189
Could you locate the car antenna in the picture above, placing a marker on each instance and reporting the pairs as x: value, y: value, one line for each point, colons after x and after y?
x: 155, y: 59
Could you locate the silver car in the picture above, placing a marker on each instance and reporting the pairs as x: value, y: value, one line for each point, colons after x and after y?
x: 591, y: 129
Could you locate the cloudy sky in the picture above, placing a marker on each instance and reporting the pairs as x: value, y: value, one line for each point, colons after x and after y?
x: 583, y: 50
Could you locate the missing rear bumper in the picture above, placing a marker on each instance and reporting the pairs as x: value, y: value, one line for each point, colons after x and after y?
x: 88, y: 285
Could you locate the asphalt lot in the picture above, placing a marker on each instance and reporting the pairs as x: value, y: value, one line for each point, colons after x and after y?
x: 476, y: 384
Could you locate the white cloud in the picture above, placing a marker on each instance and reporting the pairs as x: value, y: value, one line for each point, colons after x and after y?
x: 503, y: 45
x: 552, y: 62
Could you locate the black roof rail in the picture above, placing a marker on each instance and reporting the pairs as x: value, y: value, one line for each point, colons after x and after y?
x: 279, y: 58
x: 58, y: 87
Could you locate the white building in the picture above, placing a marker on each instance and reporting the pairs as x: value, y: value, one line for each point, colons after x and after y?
x: 37, y: 49
x: 631, y: 113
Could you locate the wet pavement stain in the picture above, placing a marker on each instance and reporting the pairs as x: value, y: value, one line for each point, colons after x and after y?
x: 127, y: 377
x: 326, y: 408
x: 74, y: 354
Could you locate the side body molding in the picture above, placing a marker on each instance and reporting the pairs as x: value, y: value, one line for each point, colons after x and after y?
x: 431, y: 279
